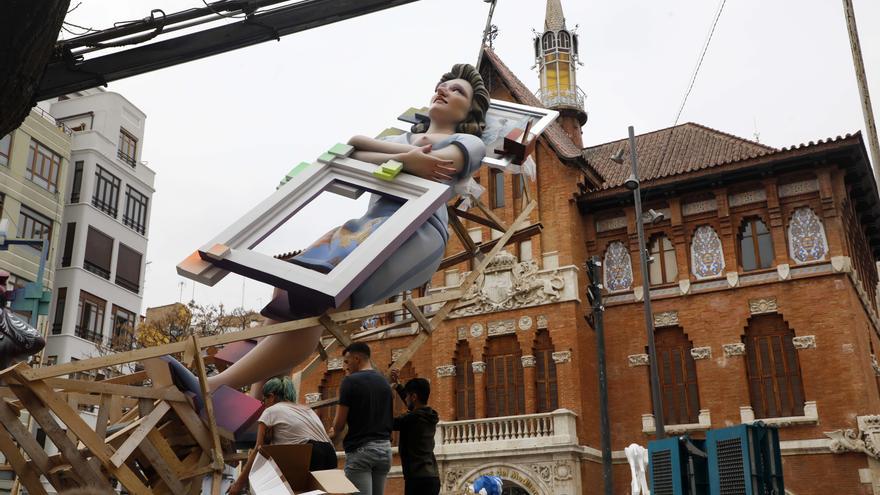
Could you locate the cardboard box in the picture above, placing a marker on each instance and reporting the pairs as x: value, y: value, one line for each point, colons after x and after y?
x: 287, y: 466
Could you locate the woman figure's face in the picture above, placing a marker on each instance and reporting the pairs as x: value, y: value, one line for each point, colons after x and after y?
x: 451, y: 102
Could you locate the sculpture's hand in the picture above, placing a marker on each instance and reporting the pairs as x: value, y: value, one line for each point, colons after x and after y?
x: 418, y: 161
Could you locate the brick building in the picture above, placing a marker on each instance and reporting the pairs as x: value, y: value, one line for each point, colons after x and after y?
x: 765, y: 304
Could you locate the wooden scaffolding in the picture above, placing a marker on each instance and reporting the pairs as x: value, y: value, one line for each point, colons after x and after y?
x: 147, y: 435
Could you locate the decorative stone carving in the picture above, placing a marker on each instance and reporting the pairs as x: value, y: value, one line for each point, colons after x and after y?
x: 731, y: 350
x: 528, y: 361
x: 875, y: 365
x: 841, y: 264
x: 334, y: 364
x: 638, y: 360
x: 695, y: 207
x: 747, y: 197
x: 476, y: 330
x: 763, y: 305
x: 462, y: 332
x: 542, y: 322
x: 684, y: 286
x: 866, y: 439
x: 810, y: 416
x: 607, y: 224
x: 804, y: 342
x: 445, y: 370
x: 562, y: 471
x: 732, y: 279
x: 313, y: 397
x: 795, y: 188
x: 701, y: 353
x: 639, y: 293
x: 561, y: 357
x: 501, y: 327
x: 806, y: 236
x: 478, y: 366
x: 524, y: 322
x: 395, y: 353
x: 451, y: 480
x: 617, y: 273
x: 706, y: 253
x: 666, y: 319
x: 543, y: 471
x: 784, y: 271
x: 508, y: 284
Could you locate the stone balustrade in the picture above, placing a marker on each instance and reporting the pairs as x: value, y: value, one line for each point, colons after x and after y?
x: 527, y: 431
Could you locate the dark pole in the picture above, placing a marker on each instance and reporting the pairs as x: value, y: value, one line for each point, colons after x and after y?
x: 595, y: 291
x: 646, y: 289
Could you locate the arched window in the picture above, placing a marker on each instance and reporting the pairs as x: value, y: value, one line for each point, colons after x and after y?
x: 806, y: 236
x: 549, y: 41
x: 678, y: 376
x: 545, y: 373
x: 755, y: 245
x: 329, y: 389
x: 617, y: 272
x: 505, y: 394
x: 564, y: 39
x: 774, y: 372
x: 663, y: 268
x: 707, y: 256
x: 465, y: 396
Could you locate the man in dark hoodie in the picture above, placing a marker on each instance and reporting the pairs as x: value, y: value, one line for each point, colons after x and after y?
x: 416, y: 429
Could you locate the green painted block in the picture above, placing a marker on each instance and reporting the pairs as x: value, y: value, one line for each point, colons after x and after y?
x: 326, y: 157
x: 340, y: 149
x: 295, y: 170
x: 378, y: 173
x: 392, y: 166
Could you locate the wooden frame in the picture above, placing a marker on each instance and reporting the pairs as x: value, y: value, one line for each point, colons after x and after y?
x: 231, y: 249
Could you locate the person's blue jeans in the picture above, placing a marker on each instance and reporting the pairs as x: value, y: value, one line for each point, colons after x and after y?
x: 368, y: 466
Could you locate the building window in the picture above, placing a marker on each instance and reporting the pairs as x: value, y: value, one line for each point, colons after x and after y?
x: 707, y: 256
x: 90, y: 317
x: 43, y: 166
x: 465, y: 391
x: 806, y: 236
x: 106, y: 197
x: 99, y: 253
x: 505, y: 394
x: 123, y: 329
x: 127, y: 147
x: 773, y: 368
x: 545, y: 373
x: 69, y: 236
x: 32, y: 225
x: 77, y: 182
x: 617, y: 272
x: 329, y: 389
x: 5, y: 149
x: 564, y: 40
x: 135, y: 210
x: 496, y: 182
x: 519, y: 185
x: 525, y: 250
x: 128, y: 268
x: 60, y: 301
x: 678, y: 376
x: 755, y: 245
x: 663, y: 268
x: 549, y: 41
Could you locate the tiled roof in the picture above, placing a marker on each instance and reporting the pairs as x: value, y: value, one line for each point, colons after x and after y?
x: 554, y: 20
x: 555, y: 135
x: 675, y: 150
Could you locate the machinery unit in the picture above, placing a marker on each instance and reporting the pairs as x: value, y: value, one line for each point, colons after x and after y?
x: 678, y: 466
x: 745, y: 460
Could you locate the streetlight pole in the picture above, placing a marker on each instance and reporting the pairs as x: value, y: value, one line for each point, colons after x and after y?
x: 646, y: 288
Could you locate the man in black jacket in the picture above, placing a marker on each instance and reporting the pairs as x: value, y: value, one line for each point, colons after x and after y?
x: 416, y: 429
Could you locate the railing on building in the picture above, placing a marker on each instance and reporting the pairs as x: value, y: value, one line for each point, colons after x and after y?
x: 562, y: 98
x: 508, y: 432
x: 42, y: 113
x: 126, y: 158
x: 97, y: 270
x: 90, y: 335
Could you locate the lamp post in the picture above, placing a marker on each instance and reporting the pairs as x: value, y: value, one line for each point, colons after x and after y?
x: 633, y: 184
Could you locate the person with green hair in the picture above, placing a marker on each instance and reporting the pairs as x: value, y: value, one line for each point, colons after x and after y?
x: 283, y: 421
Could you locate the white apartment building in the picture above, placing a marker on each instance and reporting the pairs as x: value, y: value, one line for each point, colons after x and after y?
x: 100, y: 262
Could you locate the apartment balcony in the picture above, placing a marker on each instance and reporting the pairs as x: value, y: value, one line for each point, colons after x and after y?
x: 90, y: 335
x: 507, y: 435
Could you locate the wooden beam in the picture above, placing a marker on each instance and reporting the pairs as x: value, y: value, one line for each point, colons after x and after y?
x: 160, y: 462
x: 139, y: 434
x: 103, y: 417
x: 209, y: 405
x: 25, y: 472
x: 462, y: 233
x: 334, y: 330
x: 489, y: 213
x: 520, y: 235
x: 86, y: 386
x: 478, y: 219
x: 24, y: 438
x: 418, y: 315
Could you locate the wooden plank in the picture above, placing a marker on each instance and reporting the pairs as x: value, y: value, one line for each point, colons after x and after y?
x: 168, y: 393
x: 103, y: 417
x: 489, y: 214
x: 520, y: 235
x: 209, y: 405
x: 163, y: 448
x: 82, y: 430
x: 216, y: 482
x: 384, y: 328
x: 25, y: 472
x: 443, y: 312
x: 478, y: 219
x: 59, y: 437
x: 136, y: 377
x: 463, y: 235
x: 139, y: 434
x: 418, y: 315
x: 166, y: 472
x: 23, y: 437
x: 334, y: 330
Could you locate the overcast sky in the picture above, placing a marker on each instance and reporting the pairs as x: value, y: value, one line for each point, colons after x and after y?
x: 222, y: 131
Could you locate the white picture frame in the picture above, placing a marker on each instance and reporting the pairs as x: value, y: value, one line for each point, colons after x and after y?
x: 505, y: 116
x: 231, y: 250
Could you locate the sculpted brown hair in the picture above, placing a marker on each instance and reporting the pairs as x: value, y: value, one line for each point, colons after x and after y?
x: 475, y: 121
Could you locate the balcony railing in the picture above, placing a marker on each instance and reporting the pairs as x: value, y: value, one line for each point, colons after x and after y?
x: 126, y: 158
x: 97, y: 270
x: 90, y: 335
x: 527, y: 431
x: 562, y: 98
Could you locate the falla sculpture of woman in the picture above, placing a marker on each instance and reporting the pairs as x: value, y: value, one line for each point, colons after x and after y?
x: 446, y: 148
